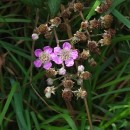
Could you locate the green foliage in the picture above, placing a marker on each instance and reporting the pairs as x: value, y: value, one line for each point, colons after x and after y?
x: 108, y: 89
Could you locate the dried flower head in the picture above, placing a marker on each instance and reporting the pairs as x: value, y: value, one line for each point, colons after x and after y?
x: 81, y: 36
x: 93, y: 46
x: 68, y: 83
x: 80, y: 93
x: 85, y: 54
x: 51, y: 72
x: 78, y: 7
x: 67, y: 94
x: 94, y: 24
x: 84, y: 25
x: 106, y: 21
x: 92, y: 62
x: 43, y: 28
x: 85, y: 75
x: 55, y: 22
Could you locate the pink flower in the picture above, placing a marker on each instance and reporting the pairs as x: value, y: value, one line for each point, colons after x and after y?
x: 43, y: 57
x: 66, y: 55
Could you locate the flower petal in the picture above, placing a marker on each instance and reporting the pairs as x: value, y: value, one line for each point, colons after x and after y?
x: 47, y: 49
x: 74, y: 54
x: 47, y: 65
x: 66, y: 46
x: 57, y: 50
x: 37, y: 52
x: 56, y: 59
x: 37, y: 63
x: 69, y: 62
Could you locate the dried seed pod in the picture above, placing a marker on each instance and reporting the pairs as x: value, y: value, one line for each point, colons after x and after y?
x: 78, y: 7
x: 93, y: 47
x: 85, y: 75
x: 63, y: 27
x: 106, y: 21
x: 51, y: 73
x: 84, y: 25
x: 67, y: 94
x: 85, y: 54
x: 48, y: 35
x: 105, y: 41
x: 65, y: 14
x: 94, y: 24
x: 55, y: 22
x: 81, y: 36
x: 111, y: 31
x: 68, y: 83
x: 92, y: 62
x: 43, y: 28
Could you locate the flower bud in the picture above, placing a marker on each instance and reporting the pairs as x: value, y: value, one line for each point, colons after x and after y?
x: 80, y: 68
x: 79, y: 81
x: 35, y: 36
x: 62, y: 71
x: 50, y: 81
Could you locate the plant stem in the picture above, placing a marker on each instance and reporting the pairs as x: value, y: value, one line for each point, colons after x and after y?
x: 56, y: 37
x: 88, y: 114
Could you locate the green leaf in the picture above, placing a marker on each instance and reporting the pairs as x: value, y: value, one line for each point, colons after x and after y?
x: 34, y: 3
x: 54, y: 6
x: 92, y: 11
x: 121, y: 18
x: 13, y: 89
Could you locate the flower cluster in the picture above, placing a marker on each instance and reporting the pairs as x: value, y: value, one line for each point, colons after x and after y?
x: 81, y: 47
x: 59, y: 55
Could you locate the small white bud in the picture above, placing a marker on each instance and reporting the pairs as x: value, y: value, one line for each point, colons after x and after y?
x: 50, y: 81
x: 48, y: 95
x: 80, y: 68
x: 62, y: 71
x: 35, y: 36
x: 79, y: 81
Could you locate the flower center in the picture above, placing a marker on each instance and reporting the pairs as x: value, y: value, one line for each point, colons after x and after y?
x: 44, y: 57
x: 65, y: 55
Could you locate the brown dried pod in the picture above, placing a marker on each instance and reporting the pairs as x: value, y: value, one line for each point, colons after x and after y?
x: 92, y: 62
x: 84, y: 25
x: 94, y: 24
x: 67, y: 94
x: 48, y: 35
x: 68, y: 83
x: 81, y: 36
x: 111, y: 31
x: 78, y: 7
x: 51, y: 72
x: 105, y: 41
x: 106, y: 21
x: 93, y: 46
x: 43, y: 28
x: 65, y: 14
x: 85, y: 75
x: 55, y: 22
x: 85, y: 54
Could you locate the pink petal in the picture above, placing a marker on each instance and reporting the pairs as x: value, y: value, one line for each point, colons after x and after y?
x: 37, y: 52
x: 57, y: 50
x: 47, y: 49
x: 69, y: 62
x: 47, y: 65
x: 56, y: 59
x: 37, y: 63
x: 66, y: 46
x: 74, y: 54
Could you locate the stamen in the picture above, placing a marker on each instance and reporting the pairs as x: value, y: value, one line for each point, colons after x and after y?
x: 44, y: 57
